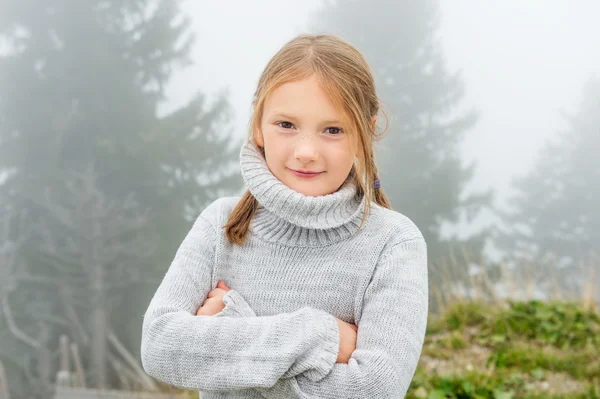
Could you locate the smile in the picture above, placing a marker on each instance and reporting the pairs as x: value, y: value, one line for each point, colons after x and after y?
x: 305, y: 174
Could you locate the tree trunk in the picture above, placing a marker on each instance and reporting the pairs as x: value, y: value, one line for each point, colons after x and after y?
x: 99, y: 332
x: 4, y: 394
x: 44, y: 366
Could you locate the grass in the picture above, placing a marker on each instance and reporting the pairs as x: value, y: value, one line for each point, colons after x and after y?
x: 523, y: 349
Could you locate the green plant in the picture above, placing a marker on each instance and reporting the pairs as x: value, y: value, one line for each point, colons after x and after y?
x: 563, y: 325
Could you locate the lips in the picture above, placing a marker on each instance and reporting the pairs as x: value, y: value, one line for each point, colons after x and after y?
x: 304, y: 173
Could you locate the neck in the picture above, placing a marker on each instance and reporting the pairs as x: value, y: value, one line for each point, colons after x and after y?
x: 292, y: 218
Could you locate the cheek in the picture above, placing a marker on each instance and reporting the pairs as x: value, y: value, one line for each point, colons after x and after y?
x: 275, y: 159
x: 269, y: 134
x: 343, y: 157
x: 348, y: 164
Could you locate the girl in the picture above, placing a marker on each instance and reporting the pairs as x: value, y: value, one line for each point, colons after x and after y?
x: 327, y: 287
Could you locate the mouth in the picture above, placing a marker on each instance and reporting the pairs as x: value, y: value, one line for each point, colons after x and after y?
x: 305, y: 173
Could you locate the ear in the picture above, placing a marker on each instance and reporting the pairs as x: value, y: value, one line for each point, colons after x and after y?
x: 259, y: 139
x: 373, y: 122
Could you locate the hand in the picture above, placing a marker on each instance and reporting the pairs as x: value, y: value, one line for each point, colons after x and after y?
x: 214, y: 303
x: 348, y: 334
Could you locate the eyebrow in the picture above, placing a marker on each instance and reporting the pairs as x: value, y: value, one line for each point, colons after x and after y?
x: 286, y: 116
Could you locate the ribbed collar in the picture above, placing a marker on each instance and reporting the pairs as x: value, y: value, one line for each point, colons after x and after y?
x: 292, y: 218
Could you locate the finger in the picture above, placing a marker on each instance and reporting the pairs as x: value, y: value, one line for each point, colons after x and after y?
x: 214, y: 299
x: 215, y: 292
x: 210, y: 309
x: 221, y: 284
x: 201, y: 311
x: 207, y: 312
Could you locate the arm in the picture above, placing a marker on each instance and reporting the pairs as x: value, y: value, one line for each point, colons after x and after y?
x: 226, y: 353
x: 390, y: 334
x: 391, y: 330
x: 236, y: 306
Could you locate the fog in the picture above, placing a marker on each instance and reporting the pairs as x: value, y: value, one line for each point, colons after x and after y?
x: 523, y: 64
x: 77, y: 134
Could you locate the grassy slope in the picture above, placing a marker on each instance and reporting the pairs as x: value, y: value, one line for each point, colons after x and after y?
x: 528, y: 349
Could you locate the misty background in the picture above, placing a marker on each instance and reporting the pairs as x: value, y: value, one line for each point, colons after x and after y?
x: 121, y: 121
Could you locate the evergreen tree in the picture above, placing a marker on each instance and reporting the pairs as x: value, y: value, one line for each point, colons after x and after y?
x: 420, y: 166
x: 80, y: 85
x: 554, y: 220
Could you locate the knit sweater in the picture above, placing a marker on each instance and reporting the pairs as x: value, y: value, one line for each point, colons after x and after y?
x: 304, y: 263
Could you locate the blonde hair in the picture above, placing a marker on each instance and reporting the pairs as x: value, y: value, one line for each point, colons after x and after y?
x: 346, y: 76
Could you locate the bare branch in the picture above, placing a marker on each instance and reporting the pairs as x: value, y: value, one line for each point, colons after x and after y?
x: 133, y: 363
x: 4, y: 392
x: 13, y: 326
x: 78, y: 365
x: 67, y: 301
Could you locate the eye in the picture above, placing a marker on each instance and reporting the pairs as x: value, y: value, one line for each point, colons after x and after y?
x: 285, y: 124
x: 335, y: 130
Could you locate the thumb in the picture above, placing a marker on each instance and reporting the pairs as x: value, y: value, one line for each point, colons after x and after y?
x: 221, y: 284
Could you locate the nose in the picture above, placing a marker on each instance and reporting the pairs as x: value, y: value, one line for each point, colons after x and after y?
x: 306, y: 150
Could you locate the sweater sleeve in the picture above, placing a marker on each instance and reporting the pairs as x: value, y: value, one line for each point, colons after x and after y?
x: 236, y: 306
x: 226, y: 353
x: 390, y: 335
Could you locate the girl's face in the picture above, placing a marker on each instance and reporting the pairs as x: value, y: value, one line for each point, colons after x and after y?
x: 301, y: 131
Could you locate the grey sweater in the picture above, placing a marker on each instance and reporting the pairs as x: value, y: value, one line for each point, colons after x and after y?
x: 304, y: 263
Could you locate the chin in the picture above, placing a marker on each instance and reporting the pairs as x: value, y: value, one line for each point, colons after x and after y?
x: 311, y: 191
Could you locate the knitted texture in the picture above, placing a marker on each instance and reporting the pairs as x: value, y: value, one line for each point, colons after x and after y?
x: 304, y: 264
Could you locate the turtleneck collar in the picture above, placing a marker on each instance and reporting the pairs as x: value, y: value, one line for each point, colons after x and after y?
x: 295, y: 219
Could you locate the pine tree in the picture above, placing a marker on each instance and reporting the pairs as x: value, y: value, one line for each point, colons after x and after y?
x: 80, y: 87
x: 419, y: 161
x: 554, y: 220
x: 83, y: 82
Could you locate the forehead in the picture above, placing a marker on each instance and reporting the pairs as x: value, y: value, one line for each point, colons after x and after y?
x: 303, y: 99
